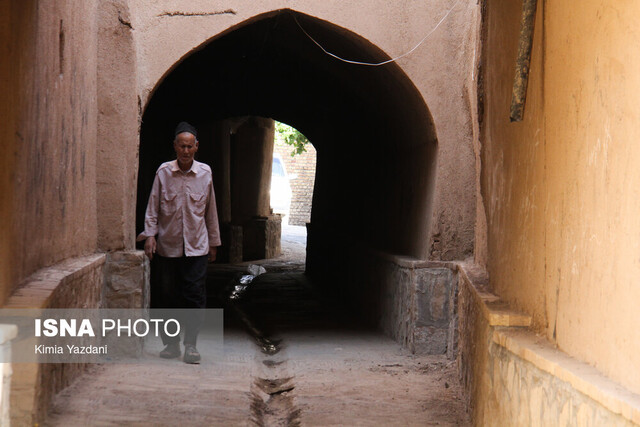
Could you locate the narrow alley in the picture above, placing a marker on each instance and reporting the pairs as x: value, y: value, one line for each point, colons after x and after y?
x: 470, y: 243
x: 325, y: 369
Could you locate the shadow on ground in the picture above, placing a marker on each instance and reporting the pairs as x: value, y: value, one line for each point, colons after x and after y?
x: 323, y: 368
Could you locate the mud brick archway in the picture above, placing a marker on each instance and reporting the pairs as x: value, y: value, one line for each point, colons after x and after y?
x: 374, y: 134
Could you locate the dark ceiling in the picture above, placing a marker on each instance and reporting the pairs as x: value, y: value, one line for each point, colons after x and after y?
x: 374, y: 134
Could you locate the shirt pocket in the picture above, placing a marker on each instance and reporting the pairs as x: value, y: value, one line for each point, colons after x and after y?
x: 168, y: 203
x: 197, y: 203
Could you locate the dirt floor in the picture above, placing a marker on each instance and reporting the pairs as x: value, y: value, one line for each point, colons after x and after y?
x: 290, y: 357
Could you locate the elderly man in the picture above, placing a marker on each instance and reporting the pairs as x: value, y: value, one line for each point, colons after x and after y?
x: 182, y: 214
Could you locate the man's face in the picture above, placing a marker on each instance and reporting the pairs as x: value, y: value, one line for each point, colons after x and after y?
x: 186, y: 146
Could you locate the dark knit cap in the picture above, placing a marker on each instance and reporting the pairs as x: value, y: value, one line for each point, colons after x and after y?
x: 186, y: 127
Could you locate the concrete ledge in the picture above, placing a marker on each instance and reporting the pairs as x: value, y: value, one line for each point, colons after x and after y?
x: 581, y: 376
x: 410, y: 262
x: 37, y: 290
x: 495, y: 311
x: 73, y: 283
x: 514, y: 377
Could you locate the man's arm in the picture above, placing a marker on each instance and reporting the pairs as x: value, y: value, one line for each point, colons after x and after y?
x: 213, y: 253
x: 151, y: 220
x: 150, y: 247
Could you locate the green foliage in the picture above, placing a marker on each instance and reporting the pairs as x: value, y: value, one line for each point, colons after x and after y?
x: 292, y: 137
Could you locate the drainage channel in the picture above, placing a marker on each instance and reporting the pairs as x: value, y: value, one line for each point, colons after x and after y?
x: 273, y: 401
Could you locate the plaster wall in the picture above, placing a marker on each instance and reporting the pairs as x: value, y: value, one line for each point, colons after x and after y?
x: 48, y: 139
x: 559, y: 188
x: 118, y: 126
x: 9, y: 78
x: 165, y: 33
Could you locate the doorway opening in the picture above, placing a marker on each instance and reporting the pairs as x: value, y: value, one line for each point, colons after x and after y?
x: 375, y: 140
x: 292, y: 181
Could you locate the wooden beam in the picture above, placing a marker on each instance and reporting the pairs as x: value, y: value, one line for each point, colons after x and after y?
x: 525, y: 43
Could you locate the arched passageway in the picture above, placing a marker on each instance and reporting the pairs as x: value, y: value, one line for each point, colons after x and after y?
x: 374, y: 135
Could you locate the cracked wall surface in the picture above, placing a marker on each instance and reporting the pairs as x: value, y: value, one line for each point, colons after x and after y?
x: 49, y: 92
x: 557, y: 187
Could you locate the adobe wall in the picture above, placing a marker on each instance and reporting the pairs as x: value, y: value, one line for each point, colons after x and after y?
x: 8, y: 80
x: 49, y: 135
x: 559, y: 188
x: 165, y: 32
x: 119, y: 113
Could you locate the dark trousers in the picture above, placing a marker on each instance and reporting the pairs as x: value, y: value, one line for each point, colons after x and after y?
x: 180, y: 283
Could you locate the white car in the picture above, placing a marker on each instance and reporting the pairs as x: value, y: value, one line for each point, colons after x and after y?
x: 280, y: 187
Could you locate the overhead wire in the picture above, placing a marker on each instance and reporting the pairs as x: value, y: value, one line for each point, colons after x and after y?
x: 377, y: 64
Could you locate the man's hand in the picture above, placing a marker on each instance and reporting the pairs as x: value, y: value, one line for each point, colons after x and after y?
x: 150, y: 247
x: 213, y: 251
